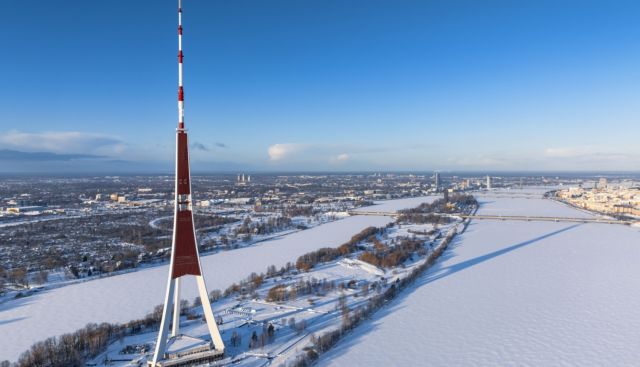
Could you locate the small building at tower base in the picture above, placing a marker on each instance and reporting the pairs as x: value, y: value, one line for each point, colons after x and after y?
x: 184, y: 350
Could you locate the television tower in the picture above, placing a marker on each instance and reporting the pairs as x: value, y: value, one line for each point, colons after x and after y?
x: 185, y: 259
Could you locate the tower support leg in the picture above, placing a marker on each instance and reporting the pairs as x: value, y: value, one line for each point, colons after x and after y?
x: 161, y: 342
x: 175, y: 329
x: 208, y: 314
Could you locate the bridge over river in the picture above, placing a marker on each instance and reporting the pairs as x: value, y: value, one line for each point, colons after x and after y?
x: 507, y: 217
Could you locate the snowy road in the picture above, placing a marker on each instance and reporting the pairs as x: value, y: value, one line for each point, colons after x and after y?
x: 132, y: 295
x: 514, y: 294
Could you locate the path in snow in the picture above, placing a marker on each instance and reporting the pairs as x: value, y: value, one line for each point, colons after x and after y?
x: 514, y: 294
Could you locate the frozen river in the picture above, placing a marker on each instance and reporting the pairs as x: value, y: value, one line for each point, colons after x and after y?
x: 514, y: 294
x: 129, y: 296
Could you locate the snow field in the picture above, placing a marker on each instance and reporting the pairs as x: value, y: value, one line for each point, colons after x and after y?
x: 514, y: 294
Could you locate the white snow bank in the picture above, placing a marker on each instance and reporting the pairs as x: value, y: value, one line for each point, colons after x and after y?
x: 355, y: 263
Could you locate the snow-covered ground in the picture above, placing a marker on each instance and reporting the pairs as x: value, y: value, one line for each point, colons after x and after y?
x: 514, y: 294
x: 130, y: 296
x: 316, y: 305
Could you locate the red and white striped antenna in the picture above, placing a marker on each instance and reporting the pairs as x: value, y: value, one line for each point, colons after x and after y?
x: 180, y: 87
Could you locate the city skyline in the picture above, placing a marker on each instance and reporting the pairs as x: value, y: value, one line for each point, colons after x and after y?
x: 389, y: 86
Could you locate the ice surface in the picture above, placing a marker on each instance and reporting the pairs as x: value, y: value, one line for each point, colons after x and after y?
x: 523, y: 203
x: 514, y: 294
x: 129, y: 296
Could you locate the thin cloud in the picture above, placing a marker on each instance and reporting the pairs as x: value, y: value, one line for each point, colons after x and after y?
x: 587, y: 153
x: 207, y: 147
x: 18, y: 156
x: 63, y: 142
x: 569, y: 152
x: 199, y: 146
x: 319, y: 155
x: 479, y: 161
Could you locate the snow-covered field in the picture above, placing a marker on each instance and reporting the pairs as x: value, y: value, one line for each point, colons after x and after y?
x: 129, y: 296
x: 514, y: 294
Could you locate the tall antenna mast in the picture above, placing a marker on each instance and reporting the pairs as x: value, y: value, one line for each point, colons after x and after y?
x: 180, y: 86
x: 185, y: 259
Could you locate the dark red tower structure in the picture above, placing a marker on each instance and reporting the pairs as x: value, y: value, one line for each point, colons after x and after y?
x: 185, y: 259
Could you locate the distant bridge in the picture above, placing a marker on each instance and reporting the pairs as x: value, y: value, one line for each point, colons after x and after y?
x: 527, y: 218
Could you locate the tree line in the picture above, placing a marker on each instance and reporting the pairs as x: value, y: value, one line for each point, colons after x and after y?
x: 454, y: 203
x: 389, y: 257
x: 282, y: 292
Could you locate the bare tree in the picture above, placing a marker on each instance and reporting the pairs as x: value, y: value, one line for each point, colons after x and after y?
x: 184, y: 305
x: 19, y: 276
x: 253, y: 343
x: 215, y: 295
x: 236, y: 339
x: 301, y: 326
x: 197, y: 302
x: 41, y: 277
x: 271, y: 332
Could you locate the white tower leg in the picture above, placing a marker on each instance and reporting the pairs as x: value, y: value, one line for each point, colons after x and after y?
x: 161, y: 343
x: 175, y: 330
x: 208, y: 315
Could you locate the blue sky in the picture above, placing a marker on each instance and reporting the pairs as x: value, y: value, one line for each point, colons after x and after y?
x: 322, y: 85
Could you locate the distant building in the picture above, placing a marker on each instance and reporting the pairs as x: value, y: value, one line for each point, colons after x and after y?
x: 143, y: 202
x: 239, y: 201
x: 438, y: 183
x: 602, y: 183
x: 243, y: 180
x: 25, y: 209
x: 488, y: 182
x: 23, y: 202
